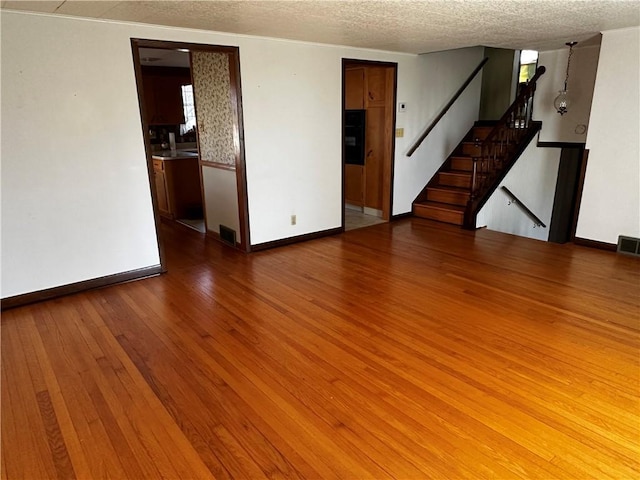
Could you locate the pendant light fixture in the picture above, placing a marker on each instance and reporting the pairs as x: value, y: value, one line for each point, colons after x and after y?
x: 561, y: 102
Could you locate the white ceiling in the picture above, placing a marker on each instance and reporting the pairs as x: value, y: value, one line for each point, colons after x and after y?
x: 413, y: 26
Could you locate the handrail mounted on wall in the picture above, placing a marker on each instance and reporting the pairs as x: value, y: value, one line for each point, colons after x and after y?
x: 447, y: 107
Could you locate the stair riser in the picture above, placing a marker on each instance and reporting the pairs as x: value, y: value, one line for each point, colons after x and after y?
x: 464, y: 164
x: 454, y: 180
x: 470, y: 149
x: 438, y: 214
x: 481, y: 132
x: 442, y: 196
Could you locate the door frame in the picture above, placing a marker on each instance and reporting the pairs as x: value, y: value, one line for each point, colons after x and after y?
x: 388, y: 166
x: 237, y: 127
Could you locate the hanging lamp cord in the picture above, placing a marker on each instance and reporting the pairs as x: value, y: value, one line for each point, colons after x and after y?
x: 566, y: 78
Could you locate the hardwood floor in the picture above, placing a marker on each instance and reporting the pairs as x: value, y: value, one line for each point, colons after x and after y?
x: 403, y: 350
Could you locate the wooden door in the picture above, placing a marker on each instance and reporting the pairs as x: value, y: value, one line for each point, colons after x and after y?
x: 354, y: 184
x: 374, y: 157
x: 375, y: 86
x: 354, y: 89
x: 371, y: 86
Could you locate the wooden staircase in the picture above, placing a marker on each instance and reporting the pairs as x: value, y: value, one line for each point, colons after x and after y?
x: 447, y: 194
x: 466, y: 179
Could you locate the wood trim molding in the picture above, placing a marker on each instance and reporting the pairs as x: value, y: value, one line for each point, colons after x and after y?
x: 100, y: 282
x: 241, y: 171
x: 296, y: 239
x: 576, y: 211
x: 560, y: 144
x: 585, y: 242
x: 137, y: 68
x: 172, y: 45
x: 221, y: 166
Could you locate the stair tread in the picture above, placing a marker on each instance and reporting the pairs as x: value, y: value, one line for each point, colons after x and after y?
x: 456, y: 172
x: 449, y: 188
x: 441, y: 206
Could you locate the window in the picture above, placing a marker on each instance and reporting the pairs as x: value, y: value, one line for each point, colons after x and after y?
x: 528, y: 63
x: 189, y: 109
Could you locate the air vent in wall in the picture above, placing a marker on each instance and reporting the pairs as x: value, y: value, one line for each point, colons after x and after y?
x: 629, y: 245
x: 228, y: 235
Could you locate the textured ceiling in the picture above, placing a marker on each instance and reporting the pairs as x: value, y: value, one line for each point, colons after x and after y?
x: 396, y: 25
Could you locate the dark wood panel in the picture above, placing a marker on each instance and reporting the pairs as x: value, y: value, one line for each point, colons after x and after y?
x: 375, y: 152
x: 403, y: 350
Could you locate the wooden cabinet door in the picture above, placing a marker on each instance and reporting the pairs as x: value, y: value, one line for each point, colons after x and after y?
x: 375, y: 87
x: 149, y: 92
x: 168, y: 99
x: 163, y: 98
x: 162, y: 193
x: 354, y: 89
x: 374, y: 157
x: 354, y: 184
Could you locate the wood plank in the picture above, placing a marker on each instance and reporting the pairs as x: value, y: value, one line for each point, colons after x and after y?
x: 354, y: 88
x: 375, y: 154
x: 354, y: 184
x: 404, y: 350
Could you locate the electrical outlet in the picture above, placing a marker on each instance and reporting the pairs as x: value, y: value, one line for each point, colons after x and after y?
x: 399, y: 132
x: 293, y: 219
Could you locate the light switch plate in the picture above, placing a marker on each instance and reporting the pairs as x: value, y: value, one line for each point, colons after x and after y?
x: 402, y: 107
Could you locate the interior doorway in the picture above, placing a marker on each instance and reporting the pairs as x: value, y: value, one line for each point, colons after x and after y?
x: 368, y: 103
x: 191, y: 111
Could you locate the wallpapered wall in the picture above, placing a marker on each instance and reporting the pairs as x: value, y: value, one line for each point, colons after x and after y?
x: 212, y: 91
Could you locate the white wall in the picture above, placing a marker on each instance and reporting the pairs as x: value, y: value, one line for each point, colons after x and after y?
x: 75, y: 195
x: 439, y: 77
x: 582, y: 76
x: 221, y: 199
x: 75, y: 191
x: 611, y: 196
x: 533, y: 180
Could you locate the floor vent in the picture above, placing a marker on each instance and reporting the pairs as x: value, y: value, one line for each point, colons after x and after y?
x: 629, y: 245
x: 228, y: 235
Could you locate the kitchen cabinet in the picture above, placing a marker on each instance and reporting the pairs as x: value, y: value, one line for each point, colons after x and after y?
x: 163, y: 94
x: 161, y: 188
x: 177, y: 181
x: 354, y: 185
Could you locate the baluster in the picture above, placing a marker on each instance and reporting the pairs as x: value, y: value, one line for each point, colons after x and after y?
x: 474, y: 176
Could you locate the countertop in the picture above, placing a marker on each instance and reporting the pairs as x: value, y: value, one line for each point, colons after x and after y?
x: 178, y: 154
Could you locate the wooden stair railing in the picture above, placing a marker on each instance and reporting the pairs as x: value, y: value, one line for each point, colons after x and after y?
x: 446, y: 108
x: 475, y: 168
x: 501, y: 148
